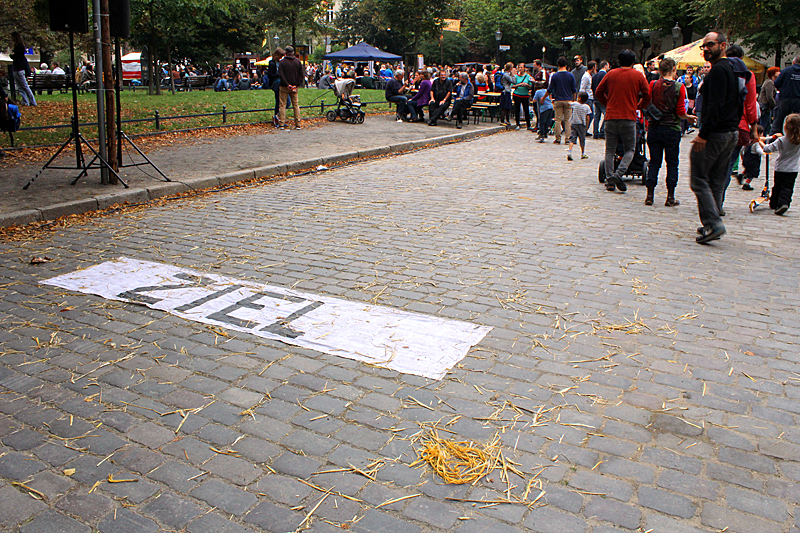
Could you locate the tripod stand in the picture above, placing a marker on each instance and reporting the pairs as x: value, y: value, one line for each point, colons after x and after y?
x: 75, y: 135
x: 121, y: 135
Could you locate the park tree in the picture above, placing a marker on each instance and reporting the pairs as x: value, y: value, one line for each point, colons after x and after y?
x: 31, y: 20
x: 481, y: 19
x: 589, y: 19
x: 291, y: 16
x: 166, y: 25
x: 764, y: 27
x: 397, y: 26
x: 664, y: 14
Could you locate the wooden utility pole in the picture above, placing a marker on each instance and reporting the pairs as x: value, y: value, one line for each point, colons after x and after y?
x: 108, y: 89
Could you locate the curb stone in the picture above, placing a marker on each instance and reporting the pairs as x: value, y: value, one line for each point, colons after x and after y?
x: 54, y: 211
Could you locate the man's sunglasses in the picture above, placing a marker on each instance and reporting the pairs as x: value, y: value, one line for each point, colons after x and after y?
x: 709, y: 44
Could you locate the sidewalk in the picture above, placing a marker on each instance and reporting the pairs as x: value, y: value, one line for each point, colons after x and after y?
x: 198, y: 162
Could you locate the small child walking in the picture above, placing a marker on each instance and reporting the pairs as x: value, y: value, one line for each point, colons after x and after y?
x: 787, y: 166
x: 579, y: 123
x: 751, y: 161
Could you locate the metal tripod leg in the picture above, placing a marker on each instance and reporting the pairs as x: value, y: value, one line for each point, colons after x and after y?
x: 122, y: 135
x: 47, y: 165
x: 102, y: 161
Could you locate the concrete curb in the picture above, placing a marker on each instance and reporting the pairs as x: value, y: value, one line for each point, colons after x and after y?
x: 162, y: 189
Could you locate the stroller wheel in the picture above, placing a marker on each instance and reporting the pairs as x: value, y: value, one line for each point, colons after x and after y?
x: 360, y: 119
x: 601, y: 172
x: 331, y: 115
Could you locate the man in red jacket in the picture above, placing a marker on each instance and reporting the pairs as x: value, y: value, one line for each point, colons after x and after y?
x: 623, y: 91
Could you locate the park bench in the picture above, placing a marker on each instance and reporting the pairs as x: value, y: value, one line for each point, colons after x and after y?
x: 197, y: 82
x: 48, y: 82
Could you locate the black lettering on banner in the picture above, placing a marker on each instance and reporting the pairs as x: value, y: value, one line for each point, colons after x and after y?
x: 279, y: 327
x: 208, y: 298
x: 135, y: 295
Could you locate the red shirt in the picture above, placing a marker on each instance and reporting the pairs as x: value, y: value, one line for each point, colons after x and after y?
x: 621, y: 91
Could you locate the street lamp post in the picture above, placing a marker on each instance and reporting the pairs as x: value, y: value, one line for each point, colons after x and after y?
x: 498, y: 36
x: 276, y: 40
x: 676, y: 32
x: 544, y: 49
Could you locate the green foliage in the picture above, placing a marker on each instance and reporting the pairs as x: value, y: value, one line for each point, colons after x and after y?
x: 482, y: 18
x: 765, y: 27
x: 396, y: 26
x: 291, y: 16
x: 590, y: 19
x: 450, y: 49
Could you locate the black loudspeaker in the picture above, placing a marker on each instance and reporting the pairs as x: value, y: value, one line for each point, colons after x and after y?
x: 69, y: 15
x: 119, y: 12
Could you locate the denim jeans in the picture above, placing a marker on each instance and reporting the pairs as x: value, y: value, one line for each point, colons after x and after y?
x: 402, y: 106
x: 22, y: 87
x: 619, y: 130
x: 599, y: 111
x: 663, y: 143
x: 545, y: 121
x: 708, y: 169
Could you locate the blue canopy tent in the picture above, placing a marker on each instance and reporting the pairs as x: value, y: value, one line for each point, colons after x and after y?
x: 361, y: 52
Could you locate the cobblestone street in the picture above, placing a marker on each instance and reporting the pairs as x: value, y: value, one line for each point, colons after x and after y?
x: 637, y: 381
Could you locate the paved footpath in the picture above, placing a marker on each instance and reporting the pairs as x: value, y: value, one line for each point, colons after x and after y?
x: 637, y: 381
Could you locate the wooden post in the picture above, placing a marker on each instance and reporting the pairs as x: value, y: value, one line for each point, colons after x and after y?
x: 108, y: 89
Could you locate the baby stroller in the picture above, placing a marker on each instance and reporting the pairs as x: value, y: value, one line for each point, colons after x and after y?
x: 348, y: 108
x: 638, y: 166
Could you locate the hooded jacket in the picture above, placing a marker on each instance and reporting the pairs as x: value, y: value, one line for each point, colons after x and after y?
x: 788, y: 82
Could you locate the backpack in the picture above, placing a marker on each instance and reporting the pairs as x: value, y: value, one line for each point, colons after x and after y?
x: 10, y: 117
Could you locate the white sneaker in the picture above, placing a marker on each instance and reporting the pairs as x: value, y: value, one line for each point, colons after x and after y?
x: 399, y: 120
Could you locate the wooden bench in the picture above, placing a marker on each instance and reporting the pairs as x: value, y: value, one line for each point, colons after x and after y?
x: 197, y: 82
x: 48, y: 82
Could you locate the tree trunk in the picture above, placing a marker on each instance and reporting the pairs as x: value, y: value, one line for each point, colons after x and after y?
x: 169, y: 70
x: 108, y: 87
x: 294, y: 28
x: 154, y: 59
x: 686, y: 33
x: 587, y: 46
x: 150, y: 70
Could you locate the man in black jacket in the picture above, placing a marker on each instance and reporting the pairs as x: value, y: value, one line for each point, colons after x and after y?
x: 292, y: 75
x: 442, y: 95
x: 712, y: 148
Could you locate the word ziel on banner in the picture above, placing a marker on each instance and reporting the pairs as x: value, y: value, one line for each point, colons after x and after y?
x: 411, y: 343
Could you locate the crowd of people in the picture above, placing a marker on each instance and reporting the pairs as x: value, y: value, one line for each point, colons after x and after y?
x: 624, y: 103
x: 632, y: 104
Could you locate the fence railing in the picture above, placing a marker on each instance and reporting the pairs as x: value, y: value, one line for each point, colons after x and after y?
x: 157, y: 119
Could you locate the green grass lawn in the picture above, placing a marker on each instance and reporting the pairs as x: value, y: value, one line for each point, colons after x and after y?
x: 57, y: 108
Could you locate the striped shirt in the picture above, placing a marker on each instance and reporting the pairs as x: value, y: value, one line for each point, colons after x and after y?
x: 579, y: 113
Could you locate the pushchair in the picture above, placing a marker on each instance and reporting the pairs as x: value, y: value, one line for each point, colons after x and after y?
x: 348, y: 107
x: 638, y: 166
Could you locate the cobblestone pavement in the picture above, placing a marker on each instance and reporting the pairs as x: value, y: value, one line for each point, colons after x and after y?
x: 637, y: 380
x: 184, y: 157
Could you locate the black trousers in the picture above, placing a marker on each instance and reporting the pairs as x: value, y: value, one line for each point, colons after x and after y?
x: 461, y: 108
x: 436, y: 111
x: 782, y: 189
x: 524, y: 103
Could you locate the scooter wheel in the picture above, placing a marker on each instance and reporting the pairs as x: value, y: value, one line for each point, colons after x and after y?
x: 601, y: 172
x: 331, y: 116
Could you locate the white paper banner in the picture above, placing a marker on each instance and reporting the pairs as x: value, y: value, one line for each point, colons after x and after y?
x: 407, y: 342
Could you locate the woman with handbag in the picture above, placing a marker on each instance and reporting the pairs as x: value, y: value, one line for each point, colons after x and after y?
x: 664, y: 114
x: 21, y: 70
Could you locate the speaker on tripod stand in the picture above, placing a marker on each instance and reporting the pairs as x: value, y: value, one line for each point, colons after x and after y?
x: 119, y: 20
x: 72, y: 16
